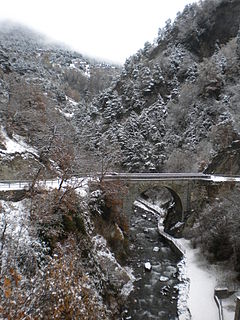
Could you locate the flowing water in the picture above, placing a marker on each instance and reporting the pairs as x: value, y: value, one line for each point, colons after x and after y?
x: 155, y: 292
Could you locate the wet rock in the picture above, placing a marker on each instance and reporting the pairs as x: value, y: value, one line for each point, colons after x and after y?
x: 165, y: 250
x: 157, y: 268
x: 170, y: 271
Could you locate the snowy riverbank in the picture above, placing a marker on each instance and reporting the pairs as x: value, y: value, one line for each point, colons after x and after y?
x: 199, y: 280
x: 203, y: 281
x: 204, y: 278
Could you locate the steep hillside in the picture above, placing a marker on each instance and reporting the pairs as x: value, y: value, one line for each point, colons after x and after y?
x: 41, y: 87
x: 175, y: 105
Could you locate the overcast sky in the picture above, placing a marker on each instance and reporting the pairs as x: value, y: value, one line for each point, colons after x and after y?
x: 108, y: 29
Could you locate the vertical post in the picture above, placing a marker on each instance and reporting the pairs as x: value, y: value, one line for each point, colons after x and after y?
x: 237, y: 310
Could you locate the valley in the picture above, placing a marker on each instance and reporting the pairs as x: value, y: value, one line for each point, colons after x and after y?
x: 106, y: 169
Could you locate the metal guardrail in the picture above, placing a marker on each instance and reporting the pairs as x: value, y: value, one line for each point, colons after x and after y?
x: 23, y: 184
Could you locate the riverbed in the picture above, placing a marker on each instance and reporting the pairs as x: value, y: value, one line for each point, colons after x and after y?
x: 156, y: 290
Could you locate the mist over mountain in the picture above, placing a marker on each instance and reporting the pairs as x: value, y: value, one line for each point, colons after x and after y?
x: 42, y: 85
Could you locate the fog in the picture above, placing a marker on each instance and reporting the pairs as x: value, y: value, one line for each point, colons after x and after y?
x: 107, y: 29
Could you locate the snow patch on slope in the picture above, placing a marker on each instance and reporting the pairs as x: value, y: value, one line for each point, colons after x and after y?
x: 67, y: 115
x: 16, y: 144
x: 16, y: 238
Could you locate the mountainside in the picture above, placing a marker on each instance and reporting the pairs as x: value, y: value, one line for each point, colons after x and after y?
x: 175, y: 105
x: 54, y: 264
x: 41, y: 87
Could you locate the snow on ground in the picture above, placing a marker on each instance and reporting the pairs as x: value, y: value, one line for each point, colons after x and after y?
x: 145, y: 206
x: 203, y: 281
x: 129, y: 286
x: 80, y: 184
x: 86, y: 66
x: 67, y: 115
x: 153, y: 208
x: 13, y: 215
x: 183, y: 290
x: 228, y: 306
x: 16, y: 144
x: 224, y: 178
x: 72, y: 102
x: 70, y: 108
x: 16, y: 239
x: 218, y: 178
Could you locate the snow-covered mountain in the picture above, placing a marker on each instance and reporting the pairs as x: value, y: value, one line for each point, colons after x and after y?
x: 175, y: 105
x: 42, y: 86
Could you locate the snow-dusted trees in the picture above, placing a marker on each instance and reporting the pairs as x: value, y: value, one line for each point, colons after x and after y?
x: 59, y: 290
x: 218, y: 228
x: 26, y: 109
x: 46, y: 258
x: 238, y: 44
x: 193, y: 81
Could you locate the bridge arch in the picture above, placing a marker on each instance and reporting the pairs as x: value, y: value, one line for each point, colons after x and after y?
x: 166, y: 198
x: 178, y: 192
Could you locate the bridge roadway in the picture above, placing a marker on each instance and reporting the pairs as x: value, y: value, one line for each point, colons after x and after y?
x: 156, y: 176
x: 128, y: 177
x: 170, y: 177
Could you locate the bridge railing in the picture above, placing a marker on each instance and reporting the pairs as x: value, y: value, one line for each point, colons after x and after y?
x: 114, y: 176
x: 24, y: 184
x: 157, y: 176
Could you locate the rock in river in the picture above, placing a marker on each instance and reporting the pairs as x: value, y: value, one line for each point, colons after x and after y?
x: 148, y: 266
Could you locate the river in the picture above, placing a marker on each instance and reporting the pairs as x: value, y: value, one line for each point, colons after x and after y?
x: 156, y: 291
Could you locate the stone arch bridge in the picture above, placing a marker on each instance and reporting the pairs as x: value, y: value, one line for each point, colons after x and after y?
x: 190, y: 191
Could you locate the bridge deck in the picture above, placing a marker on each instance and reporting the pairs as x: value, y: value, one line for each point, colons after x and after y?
x: 129, y: 177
